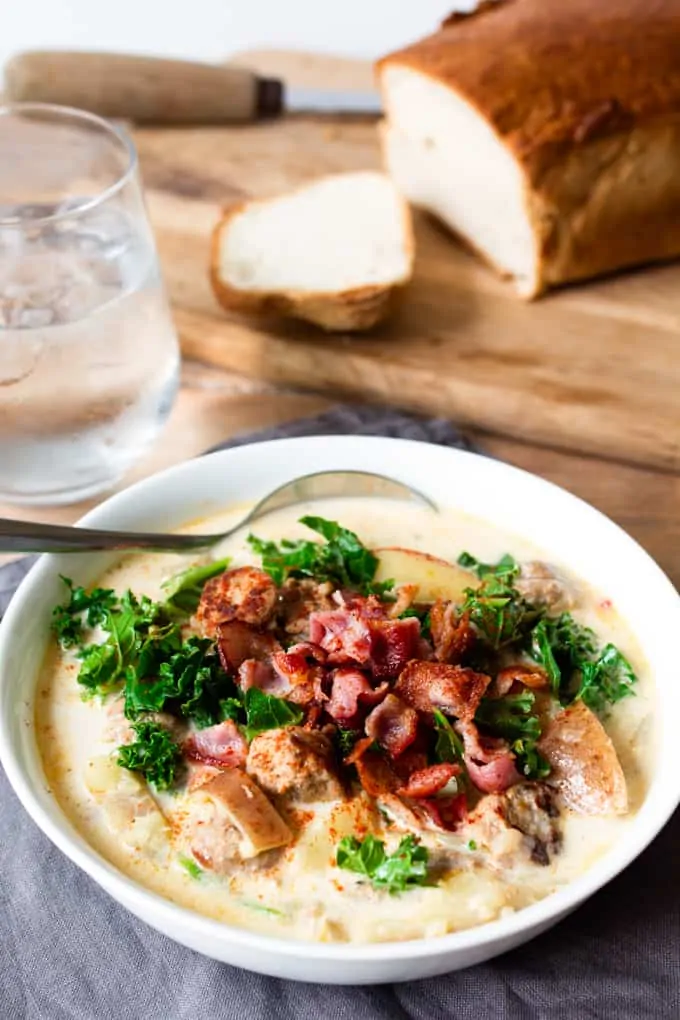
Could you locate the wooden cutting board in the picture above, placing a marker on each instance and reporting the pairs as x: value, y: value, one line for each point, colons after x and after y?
x: 593, y: 368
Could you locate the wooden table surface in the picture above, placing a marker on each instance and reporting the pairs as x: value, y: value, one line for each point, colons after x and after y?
x: 214, y: 405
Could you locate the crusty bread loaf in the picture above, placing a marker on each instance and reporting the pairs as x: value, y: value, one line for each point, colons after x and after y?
x: 547, y: 135
x: 332, y: 252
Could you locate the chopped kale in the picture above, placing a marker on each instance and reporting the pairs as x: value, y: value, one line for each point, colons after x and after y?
x: 267, y: 712
x: 341, y: 559
x: 507, y: 567
x: 154, y: 754
x: 397, y: 872
x: 499, y: 612
x: 449, y: 747
x: 91, y: 607
x: 576, y: 668
x: 512, y: 718
x: 183, y: 590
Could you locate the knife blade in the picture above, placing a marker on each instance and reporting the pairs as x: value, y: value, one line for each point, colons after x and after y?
x: 329, y: 102
x: 159, y: 91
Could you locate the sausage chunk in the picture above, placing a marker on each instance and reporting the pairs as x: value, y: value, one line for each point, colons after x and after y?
x: 585, y: 767
x: 230, y: 820
x: 246, y: 594
x: 295, y: 765
x: 522, y: 821
x: 541, y: 585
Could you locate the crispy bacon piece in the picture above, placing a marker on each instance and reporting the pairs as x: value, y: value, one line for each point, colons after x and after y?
x: 412, y: 760
x: 495, y: 775
x: 530, y: 676
x: 360, y: 633
x: 428, y: 781
x: 393, y: 725
x: 309, y: 650
x: 302, y: 681
x: 393, y: 643
x: 454, y: 689
x: 490, y: 762
x: 222, y: 745
x: 446, y: 812
x: 237, y: 641
x: 349, y: 687
x: 342, y: 634
x: 245, y: 594
x: 375, y: 774
x: 255, y: 673
x: 452, y: 635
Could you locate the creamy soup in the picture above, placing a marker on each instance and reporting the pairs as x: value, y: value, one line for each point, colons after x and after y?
x: 496, y: 837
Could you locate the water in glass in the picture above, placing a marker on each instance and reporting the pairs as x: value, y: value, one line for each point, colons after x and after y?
x: 88, y: 352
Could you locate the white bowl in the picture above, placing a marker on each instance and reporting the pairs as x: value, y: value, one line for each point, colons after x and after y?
x: 574, y: 532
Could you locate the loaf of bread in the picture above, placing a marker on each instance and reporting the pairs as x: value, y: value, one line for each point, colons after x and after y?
x: 333, y: 252
x: 545, y: 134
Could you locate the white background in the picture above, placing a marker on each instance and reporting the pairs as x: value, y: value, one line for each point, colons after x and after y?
x: 212, y: 29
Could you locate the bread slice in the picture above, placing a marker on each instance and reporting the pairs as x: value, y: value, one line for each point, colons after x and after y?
x: 332, y: 252
x: 546, y: 135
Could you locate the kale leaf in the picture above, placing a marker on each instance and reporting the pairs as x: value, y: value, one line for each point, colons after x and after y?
x: 507, y: 567
x: 91, y: 607
x: 397, y: 872
x: 606, y: 680
x: 341, y: 559
x: 183, y: 590
x: 576, y: 667
x: 449, y: 746
x: 560, y: 644
x: 154, y: 753
x: 498, y: 611
x: 186, y: 680
x: 267, y: 712
x: 512, y: 718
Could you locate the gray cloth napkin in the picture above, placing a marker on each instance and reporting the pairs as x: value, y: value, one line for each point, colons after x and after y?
x: 69, y: 952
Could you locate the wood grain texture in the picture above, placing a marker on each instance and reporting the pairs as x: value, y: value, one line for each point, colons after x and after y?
x: 593, y: 368
x: 214, y: 405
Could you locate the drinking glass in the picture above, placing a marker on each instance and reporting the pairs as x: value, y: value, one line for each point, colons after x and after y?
x: 89, y: 358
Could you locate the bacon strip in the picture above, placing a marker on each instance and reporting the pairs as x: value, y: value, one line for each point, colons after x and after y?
x: 393, y: 725
x: 237, y: 641
x: 343, y: 635
x: 428, y: 781
x: 393, y: 643
x: 446, y: 812
x: 452, y: 636
x: 303, y: 683
x: 349, y: 687
x: 455, y: 689
x: 222, y: 745
x: 361, y: 633
x: 490, y: 762
x: 530, y: 676
x: 375, y: 774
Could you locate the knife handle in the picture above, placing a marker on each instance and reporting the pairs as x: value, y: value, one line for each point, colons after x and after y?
x: 143, y: 89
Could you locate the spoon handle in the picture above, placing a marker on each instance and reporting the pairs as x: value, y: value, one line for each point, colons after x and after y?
x: 31, y: 537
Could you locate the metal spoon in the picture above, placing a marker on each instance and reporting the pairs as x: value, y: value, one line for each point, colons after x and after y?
x: 29, y: 536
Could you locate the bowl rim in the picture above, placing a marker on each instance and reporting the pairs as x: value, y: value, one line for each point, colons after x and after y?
x: 146, y: 903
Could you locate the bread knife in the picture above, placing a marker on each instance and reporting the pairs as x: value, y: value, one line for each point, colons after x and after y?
x: 159, y: 91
